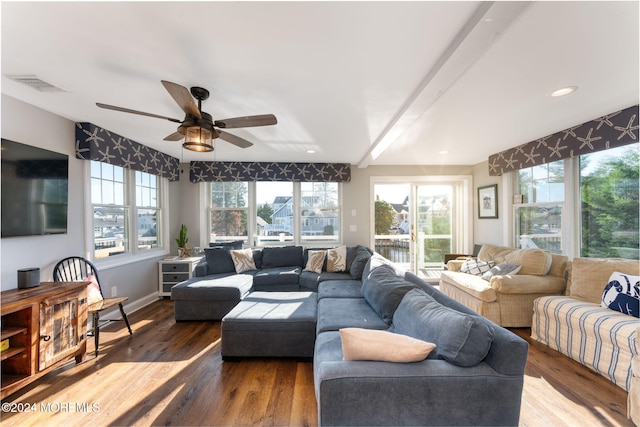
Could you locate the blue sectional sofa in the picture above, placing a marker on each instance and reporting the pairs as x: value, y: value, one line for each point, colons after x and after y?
x: 473, y: 376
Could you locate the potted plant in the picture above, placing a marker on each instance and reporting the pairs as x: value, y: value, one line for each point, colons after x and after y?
x: 183, y: 250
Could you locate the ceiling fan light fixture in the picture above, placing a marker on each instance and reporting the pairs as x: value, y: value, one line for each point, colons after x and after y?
x: 198, y: 139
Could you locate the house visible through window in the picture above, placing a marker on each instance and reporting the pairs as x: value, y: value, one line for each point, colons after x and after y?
x: 274, y: 212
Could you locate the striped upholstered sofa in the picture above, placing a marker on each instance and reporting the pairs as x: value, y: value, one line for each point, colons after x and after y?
x: 576, y: 325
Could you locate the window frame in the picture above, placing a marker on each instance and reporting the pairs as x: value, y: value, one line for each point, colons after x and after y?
x: 251, y: 239
x: 134, y: 254
x: 571, y: 222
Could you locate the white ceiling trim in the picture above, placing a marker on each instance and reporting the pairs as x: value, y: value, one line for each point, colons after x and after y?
x: 486, y: 25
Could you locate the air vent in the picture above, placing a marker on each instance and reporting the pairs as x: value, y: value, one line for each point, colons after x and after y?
x: 37, y: 83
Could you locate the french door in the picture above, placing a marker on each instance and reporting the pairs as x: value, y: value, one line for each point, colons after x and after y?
x: 417, y: 221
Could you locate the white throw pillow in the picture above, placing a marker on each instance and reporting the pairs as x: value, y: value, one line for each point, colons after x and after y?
x: 478, y: 268
x: 243, y: 260
x: 337, y: 259
x: 315, y: 261
x: 371, y: 344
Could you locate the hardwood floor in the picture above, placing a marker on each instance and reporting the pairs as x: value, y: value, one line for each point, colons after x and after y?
x: 171, y: 373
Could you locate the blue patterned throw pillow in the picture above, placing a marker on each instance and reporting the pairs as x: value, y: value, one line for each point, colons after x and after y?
x: 478, y: 268
x: 622, y: 294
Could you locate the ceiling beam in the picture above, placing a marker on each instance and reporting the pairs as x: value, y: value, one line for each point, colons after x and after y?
x: 485, y: 26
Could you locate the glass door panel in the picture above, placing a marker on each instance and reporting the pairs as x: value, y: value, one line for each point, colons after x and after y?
x: 433, y: 225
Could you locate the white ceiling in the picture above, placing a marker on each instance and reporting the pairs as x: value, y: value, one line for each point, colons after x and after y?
x: 367, y: 83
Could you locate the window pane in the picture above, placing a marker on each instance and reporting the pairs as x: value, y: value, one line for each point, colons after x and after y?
x: 609, y: 185
x: 110, y: 231
x: 229, y: 194
x: 146, y: 192
x: 275, y: 212
x: 319, y: 212
x: 147, y: 229
x: 543, y: 183
x: 227, y: 224
x: 540, y: 226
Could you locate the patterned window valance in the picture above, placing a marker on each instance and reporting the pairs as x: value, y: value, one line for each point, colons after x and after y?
x: 96, y: 143
x: 610, y: 131
x: 269, y: 171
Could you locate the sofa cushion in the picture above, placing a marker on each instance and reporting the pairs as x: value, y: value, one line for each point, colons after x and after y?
x: 384, y: 290
x: 461, y: 339
x: 219, y: 260
x: 589, y: 276
x: 622, y: 294
x: 315, y: 261
x: 473, y: 285
x: 277, y: 278
x: 370, y: 344
x: 360, y: 259
x: 282, y: 256
x: 337, y: 259
x: 476, y: 267
x: 502, y: 269
x: 243, y: 260
x: 337, y: 313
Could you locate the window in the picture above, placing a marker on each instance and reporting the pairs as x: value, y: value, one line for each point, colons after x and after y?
x: 609, y: 185
x: 147, y: 210
x: 538, y: 219
x: 124, y: 200
x: 228, y: 211
x: 110, y: 210
x: 606, y: 219
x: 275, y: 209
x: 319, y: 212
x: 275, y: 212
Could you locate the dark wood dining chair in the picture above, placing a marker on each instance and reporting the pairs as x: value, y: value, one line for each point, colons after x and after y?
x: 74, y: 269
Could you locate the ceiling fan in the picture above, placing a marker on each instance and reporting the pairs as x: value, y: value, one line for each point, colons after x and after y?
x: 198, y: 128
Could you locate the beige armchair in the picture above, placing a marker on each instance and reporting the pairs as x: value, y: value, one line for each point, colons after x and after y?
x: 507, y: 300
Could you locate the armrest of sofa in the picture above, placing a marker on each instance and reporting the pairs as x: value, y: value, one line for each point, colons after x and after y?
x: 201, y: 268
x: 527, y: 284
x: 455, y: 264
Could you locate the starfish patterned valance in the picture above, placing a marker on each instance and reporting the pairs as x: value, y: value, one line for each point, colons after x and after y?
x: 96, y: 143
x: 610, y: 131
x: 269, y: 171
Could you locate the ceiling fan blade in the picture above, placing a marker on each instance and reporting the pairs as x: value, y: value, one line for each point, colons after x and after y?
x: 141, y: 113
x: 235, y: 140
x: 248, y: 121
x: 183, y: 98
x: 176, y: 136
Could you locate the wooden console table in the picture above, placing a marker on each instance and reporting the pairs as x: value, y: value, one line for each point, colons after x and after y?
x: 46, y: 326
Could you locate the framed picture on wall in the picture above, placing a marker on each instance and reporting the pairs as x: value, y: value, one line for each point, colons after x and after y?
x: 488, y: 201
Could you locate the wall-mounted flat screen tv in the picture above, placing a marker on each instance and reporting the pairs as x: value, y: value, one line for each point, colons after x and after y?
x: 35, y: 190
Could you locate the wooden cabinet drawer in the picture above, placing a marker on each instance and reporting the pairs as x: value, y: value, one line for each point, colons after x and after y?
x: 174, y: 277
x: 181, y: 267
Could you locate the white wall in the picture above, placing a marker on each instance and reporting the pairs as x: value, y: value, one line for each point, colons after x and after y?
x: 29, y: 125
x: 489, y: 230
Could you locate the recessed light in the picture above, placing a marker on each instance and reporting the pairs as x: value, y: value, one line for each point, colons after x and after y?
x: 443, y: 152
x: 311, y: 151
x: 563, y: 91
